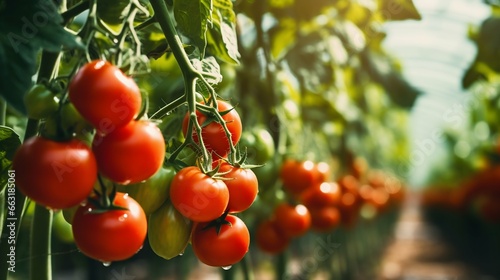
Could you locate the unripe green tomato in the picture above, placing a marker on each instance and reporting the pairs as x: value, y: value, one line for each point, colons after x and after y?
x: 228, y: 73
x: 68, y: 213
x: 72, y: 120
x: 62, y: 228
x: 259, y: 145
x: 168, y: 231
x: 153, y: 192
x: 266, y: 175
x: 40, y: 102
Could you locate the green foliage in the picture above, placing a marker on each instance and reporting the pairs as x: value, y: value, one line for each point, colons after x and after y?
x: 25, y: 28
x: 193, y: 20
x: 399, y: 10
x: 9, y: 142
x: 222, y: 38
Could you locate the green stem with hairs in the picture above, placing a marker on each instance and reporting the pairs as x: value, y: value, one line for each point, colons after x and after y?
x: 190, y: 74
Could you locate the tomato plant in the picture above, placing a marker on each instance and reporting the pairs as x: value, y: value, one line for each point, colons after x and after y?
x: 224, y: 246
x: 111, y: 234
x: 104, y: 95
x: 147, y: 87
x: 55, y: 174
x: 242, y: 185
x: 213, y: 134
x: 130, y: 154
x: 198, y: 196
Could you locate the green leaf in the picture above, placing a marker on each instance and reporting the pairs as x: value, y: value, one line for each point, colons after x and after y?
x: 16, y: 72
x: 398, y: 10
x: 382, y: 71
x: 283, y: 37
x: 193, y: 18
x: 9, y: 142
x: 25, y: 28
x: 209, y: 68
x: 352, y: 36
x: 222, y: 37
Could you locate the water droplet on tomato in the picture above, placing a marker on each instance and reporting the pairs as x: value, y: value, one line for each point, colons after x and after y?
x: 227, y: 267
x: 106, y: 264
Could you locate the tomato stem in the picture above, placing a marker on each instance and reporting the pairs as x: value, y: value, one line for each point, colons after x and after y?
x: 3, y: 111
x: 74, y: 11
x: 40, y: 261
x: 168, y: 108
x: 191, y: 77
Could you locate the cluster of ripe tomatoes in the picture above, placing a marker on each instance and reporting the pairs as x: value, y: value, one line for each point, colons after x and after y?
x: 193, y: 203
x: 318, y: 203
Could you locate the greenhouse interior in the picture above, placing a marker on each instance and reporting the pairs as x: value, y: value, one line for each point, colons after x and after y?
x: 250, y: 139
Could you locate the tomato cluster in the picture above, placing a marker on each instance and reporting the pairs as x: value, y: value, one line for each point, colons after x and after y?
x: 318, y: 203
x: 117, y: 187
x: 59, y: 171
x: 127, y: 150
x: 209, y: 198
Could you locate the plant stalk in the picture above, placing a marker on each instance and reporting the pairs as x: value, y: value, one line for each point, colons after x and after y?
x: 41, y: 230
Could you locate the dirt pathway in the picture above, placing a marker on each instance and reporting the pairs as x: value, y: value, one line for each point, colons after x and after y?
x: 418, y: 253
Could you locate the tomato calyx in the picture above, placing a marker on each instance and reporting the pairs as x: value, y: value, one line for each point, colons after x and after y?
x: 218, y: 223
x: 102, y: 201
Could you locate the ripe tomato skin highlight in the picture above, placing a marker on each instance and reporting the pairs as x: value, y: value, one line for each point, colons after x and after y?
x: 112, y: 235
x: 270, y: 238
x: 297, y: 176
x: 213, y: 134
x: 242, y: 185
x: 104, y: 95
x: 325, y: 219
x: 130, y: 154
x: 320, y: 195
x: 55, y: 174
x: 223, y: 249
x: 292, y: 220
x: 198, y: 196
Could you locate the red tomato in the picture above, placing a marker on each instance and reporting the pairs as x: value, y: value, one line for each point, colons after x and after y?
x: 322, y: 171
x: 242, y: 185
x: 320, y: 195
x: 55, y: 174
x: 104, y: 96
x: 349, y: 208
x: 198, y: 196
x: 270, y: 238
x: 130, y: 154
x: 225, y: 248
x: 112, y: 235
x: 325, y: 218
x: 213, y: 134
x: 292, y: 220
x: 297, y: 176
